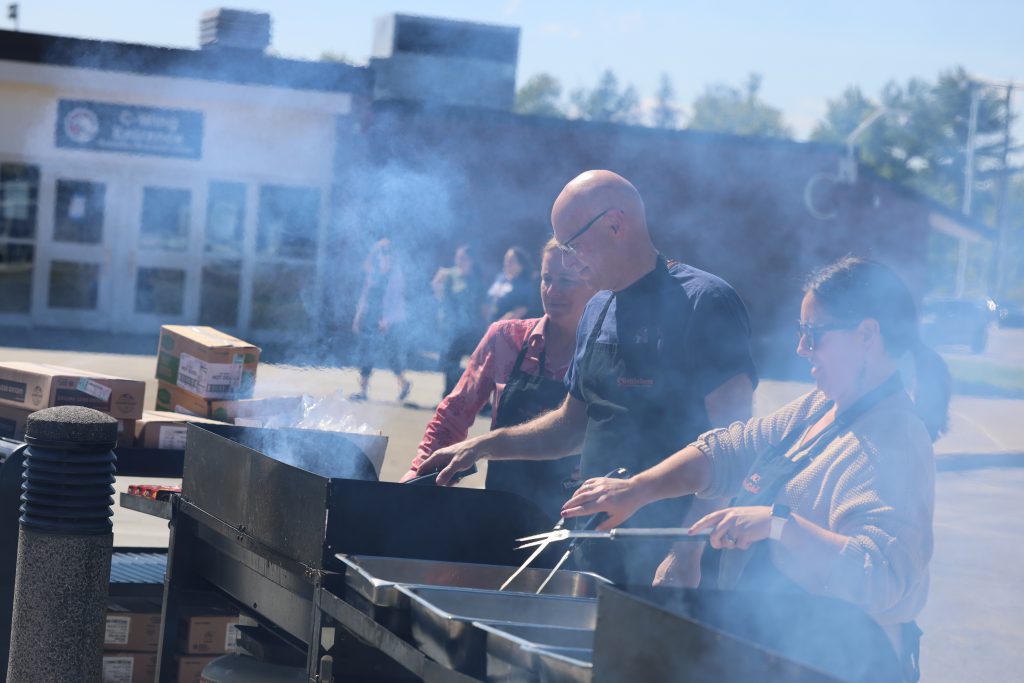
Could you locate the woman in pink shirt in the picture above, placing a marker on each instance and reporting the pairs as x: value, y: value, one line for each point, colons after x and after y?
x: 522, y: 363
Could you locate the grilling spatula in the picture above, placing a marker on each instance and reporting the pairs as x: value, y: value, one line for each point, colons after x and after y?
x: 592, y: 523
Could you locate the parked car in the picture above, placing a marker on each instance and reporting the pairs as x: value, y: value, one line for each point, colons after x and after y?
x: 957, y: 322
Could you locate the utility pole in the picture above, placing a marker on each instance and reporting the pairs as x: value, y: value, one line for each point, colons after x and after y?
x: 1001, y: 256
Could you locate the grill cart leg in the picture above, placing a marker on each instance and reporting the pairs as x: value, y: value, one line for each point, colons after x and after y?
x: 179, y: 578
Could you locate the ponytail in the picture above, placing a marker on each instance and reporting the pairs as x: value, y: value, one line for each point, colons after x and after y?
x: 933, y: 386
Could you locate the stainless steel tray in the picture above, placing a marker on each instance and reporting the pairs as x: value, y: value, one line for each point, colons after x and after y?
x: 441, y: 620
x: 564, y: 665
x: 376, y: 578
x: 511, y: 648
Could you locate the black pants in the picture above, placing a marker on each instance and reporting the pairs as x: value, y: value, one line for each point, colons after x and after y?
x: 377, y: 349
x: 462, y: 344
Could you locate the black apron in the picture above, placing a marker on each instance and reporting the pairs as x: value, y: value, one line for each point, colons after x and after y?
x: 753, y: 569
x: 636, y: 418
x: 525, y: 397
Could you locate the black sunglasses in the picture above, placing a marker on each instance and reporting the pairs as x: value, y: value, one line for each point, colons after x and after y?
x: 813, y: 332
x: 566, y: 247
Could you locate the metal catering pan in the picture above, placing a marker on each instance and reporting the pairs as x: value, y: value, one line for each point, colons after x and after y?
x: 512, y: 648
x: 376, y: 578
x: 564, y: 665
x: 441, y: 620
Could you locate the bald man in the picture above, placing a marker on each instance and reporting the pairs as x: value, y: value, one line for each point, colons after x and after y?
x: 662, y: 355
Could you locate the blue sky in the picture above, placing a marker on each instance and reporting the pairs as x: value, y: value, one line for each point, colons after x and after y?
x: 807, y: 51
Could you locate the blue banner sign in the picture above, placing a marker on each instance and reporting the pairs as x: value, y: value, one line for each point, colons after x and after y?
x: 106, y: 127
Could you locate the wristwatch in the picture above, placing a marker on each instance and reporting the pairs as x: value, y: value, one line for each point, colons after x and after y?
x: 780, y: 515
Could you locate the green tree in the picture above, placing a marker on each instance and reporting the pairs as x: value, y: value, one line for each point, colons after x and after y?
x: 666, y: 113
x: 540, y: 95
x: 925, y: 145
x: 607, y: 102
x: 726, y: 109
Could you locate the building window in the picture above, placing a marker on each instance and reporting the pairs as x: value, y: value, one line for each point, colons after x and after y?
x: 19, y: 196
x: 79, y: 212
x: 225, y: 219
x: 16, y: 277
x: 74, y: 285
x: 289, y: 218
x: 165, y: 218
x: 219, y: 287
x: 160, y: 291
x: 279, y: 296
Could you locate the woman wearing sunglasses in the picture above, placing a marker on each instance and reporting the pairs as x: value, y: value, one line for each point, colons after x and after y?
x: 833, y: 494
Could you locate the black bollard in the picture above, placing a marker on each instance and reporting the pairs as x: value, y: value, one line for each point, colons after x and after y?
x: 64, y: 544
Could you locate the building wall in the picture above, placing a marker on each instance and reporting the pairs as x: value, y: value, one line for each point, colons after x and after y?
x: 251, y: 211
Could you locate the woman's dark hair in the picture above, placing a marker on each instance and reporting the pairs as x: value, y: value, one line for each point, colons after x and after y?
x: 852, y: 289
x: 525, y: 261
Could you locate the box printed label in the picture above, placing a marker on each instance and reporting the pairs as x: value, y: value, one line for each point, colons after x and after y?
x: 74, y: 397
x: 231, y: 635
x: 210, y: 380
x: 13, y: 391
x: 118, y: 669
x: 172, y: 436
x: 87, y: 386
x: 117, y: 630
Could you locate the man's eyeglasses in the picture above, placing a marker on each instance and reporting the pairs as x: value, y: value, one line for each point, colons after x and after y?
x: 566, y: 247
x: 812, y: 333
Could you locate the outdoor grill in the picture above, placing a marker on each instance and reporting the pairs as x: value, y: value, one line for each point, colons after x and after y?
x: 378, y: 581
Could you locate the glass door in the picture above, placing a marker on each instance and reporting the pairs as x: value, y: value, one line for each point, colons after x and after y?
x: 74, y: 272
x: 161, y: 255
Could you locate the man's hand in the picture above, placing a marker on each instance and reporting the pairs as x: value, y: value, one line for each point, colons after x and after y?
x: 452, y: 459
x: 619, y: 498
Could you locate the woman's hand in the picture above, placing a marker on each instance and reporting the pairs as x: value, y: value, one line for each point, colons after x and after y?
x: 619, y: 498
x: 736, y: 528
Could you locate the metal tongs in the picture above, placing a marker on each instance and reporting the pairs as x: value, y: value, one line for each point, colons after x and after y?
x: 554, y: 536
x: 549, y: 537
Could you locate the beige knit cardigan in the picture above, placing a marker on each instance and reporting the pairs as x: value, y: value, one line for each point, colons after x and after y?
x: 875, y: 484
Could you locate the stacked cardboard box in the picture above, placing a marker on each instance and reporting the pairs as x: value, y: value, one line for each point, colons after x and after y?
x: 28, y: 387
x: 157, y: 429
x: 196, y: 365
x: 130, y: 641
x: 206, y: 636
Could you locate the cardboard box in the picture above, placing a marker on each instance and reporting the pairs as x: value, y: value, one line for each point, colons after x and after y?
x: 190, y: 668
x: 206, y: 362
x: 161, y: 429
x: 12, y: 425
x: 255, y: 412
x: 40, y: 385
x: 12, y: 421
x: 129, y: 667
x: 132, y: 626
x: 174, y: 399
x: 211, y: 634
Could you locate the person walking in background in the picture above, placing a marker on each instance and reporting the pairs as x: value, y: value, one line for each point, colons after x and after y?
x: 514, y: 293
x: 459, y: 289
x: 380, y: 319
x: 522, y: 363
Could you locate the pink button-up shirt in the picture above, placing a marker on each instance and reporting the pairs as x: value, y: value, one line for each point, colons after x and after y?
x: 486, y: 373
